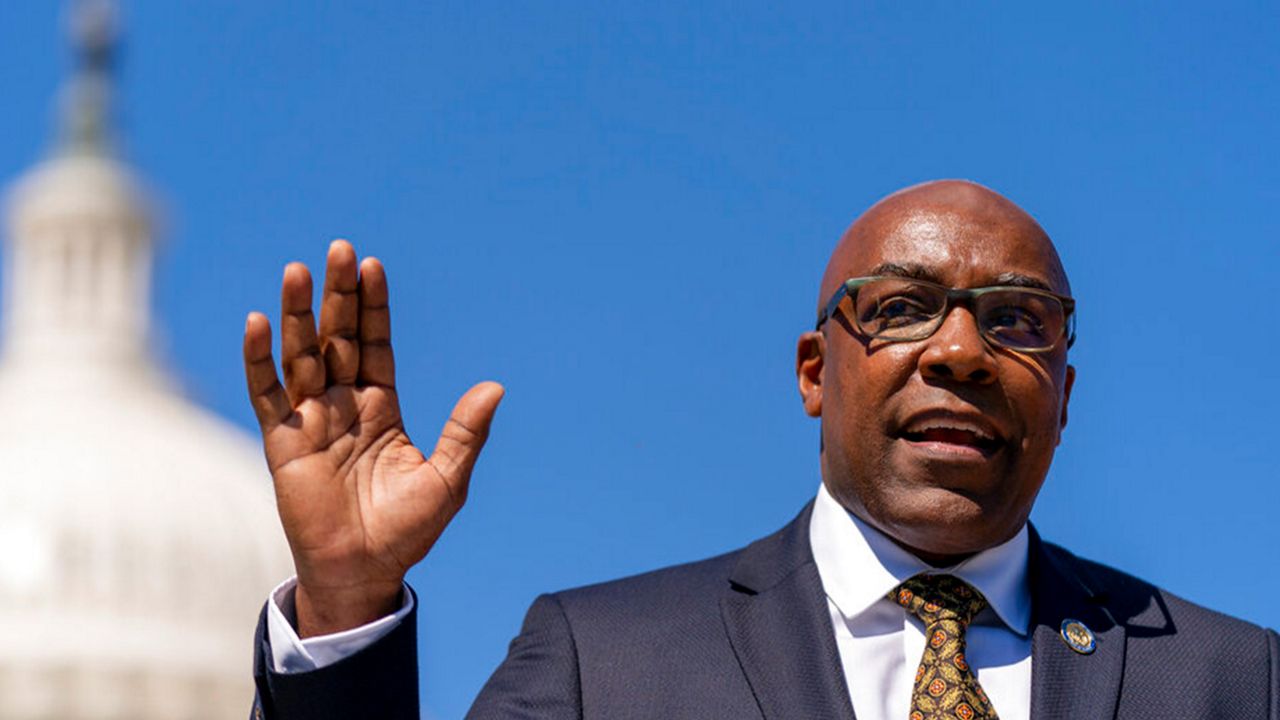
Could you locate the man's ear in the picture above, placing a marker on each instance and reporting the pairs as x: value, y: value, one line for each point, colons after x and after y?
x: 811, y: 352
x: 1069, y: 381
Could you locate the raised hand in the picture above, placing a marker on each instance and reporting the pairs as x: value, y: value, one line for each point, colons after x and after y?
x: 359, y: 503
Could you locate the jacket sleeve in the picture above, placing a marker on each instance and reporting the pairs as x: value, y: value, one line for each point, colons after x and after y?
x: 380, y: 681
x: 539, y: 679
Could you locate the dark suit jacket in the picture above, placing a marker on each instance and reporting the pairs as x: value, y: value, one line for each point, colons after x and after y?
x: 748, y: 635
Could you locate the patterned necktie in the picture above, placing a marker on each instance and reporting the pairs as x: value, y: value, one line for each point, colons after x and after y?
x: 945, y: 686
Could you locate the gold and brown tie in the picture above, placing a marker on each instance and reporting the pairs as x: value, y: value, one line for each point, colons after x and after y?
x: 945, y: 686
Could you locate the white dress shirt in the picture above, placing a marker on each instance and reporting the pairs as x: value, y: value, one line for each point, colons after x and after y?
x: 879, y: 641
x: 291, y: 654
x: 881, y: 644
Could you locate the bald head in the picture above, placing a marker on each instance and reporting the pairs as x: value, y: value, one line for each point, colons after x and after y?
x: 949, y: 222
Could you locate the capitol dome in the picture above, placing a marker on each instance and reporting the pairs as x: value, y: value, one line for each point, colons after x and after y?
x: 138, y: 534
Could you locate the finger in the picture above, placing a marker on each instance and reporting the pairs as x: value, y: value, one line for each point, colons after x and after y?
x: 270, y: 403
x: 464, y: 436
x: 339, y: 314
x: 377, y: 363
x: 299, y: 352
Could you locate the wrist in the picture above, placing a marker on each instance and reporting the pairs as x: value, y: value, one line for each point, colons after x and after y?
x: 328, y: 610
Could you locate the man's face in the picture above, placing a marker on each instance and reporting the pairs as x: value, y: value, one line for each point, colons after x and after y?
x: 907, y: 427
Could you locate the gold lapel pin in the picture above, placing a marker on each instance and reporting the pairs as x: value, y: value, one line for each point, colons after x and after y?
x: 1078, y: 636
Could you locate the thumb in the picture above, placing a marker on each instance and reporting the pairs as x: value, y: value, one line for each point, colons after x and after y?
x: 464, y: 435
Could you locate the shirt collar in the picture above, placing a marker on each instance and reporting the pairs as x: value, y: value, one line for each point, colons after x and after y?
x: 859, y: 565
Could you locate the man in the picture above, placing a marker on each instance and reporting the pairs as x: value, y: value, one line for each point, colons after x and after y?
x: 912, y: 587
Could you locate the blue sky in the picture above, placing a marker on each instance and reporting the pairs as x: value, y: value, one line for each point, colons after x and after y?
x: 621, y: 211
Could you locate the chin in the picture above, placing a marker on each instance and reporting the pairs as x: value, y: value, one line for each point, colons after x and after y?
x: 938, y: 522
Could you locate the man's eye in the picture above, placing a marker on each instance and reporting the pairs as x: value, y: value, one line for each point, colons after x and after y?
x: 1015, y: 319
x: 899, y: 311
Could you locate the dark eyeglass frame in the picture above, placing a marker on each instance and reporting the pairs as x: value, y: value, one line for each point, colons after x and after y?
x: 955, y: 296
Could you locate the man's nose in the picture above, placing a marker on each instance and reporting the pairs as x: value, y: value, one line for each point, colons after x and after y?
x: 957, y: 351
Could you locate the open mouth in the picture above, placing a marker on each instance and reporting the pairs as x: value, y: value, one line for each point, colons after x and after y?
x: 959, y: 438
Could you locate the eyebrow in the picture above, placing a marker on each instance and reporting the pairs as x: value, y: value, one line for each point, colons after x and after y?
x: 921, y: 272
x: 911, y: 270
x: 1020, y: 280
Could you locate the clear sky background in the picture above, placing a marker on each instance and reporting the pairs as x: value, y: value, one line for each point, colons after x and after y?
x: 622, y: 211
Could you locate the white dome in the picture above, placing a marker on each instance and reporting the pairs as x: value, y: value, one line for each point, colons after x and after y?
x: 85, y: 186
x: 138, y: 534
x: 79, y: 273
x: 138, y: 540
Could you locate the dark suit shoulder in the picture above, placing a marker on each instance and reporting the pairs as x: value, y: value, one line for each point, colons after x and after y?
x: 762, y: 564
x: 645, y: 646
x: 677, y: 585
x: 654, y: 645
x: 1181, y: 658
x: 1138, y: 603
x: 1158, y: 655
x: 641, y: 620
x: 650, y: 645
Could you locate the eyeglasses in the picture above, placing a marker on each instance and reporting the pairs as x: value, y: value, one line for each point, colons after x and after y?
x: 899, y: 309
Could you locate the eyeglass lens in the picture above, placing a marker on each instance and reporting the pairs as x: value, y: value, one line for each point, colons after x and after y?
x: 896, y: 309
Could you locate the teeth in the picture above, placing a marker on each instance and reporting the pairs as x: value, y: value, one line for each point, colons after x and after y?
x: 960, y: 428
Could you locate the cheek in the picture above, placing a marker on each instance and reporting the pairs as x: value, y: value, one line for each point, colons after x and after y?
x: 1039, y: 406
x: 857, y: 393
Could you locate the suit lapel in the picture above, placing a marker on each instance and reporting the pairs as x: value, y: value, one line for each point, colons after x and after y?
x: 1064, y: 683
x: 776, y: 617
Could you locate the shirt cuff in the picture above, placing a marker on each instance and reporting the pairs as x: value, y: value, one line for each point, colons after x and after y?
x: 292, y: 654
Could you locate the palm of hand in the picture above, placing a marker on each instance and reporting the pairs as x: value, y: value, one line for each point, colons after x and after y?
x: 372, y: 513
x: 360, y: 504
